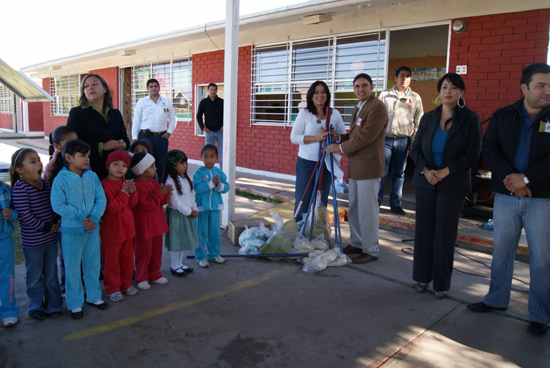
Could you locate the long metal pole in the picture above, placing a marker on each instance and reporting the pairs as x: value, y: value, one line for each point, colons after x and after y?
x: 231, y: 70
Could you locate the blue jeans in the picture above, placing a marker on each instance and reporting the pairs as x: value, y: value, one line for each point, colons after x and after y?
x: 396, y: 152
x: 212, y: 137
x: 42, y: 284
x: 81, y: 249
x: 160, y: 148
x: 304, y: 170
x: 8, y: 306
x: 511, y: 213
x: 208, y: 227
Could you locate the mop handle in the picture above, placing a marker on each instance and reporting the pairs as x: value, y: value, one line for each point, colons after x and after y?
x: 328, y: 113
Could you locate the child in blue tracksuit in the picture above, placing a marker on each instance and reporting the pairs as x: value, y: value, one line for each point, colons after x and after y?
x: 78, y: 197
x: 8, y: 309
x: 209, y: 183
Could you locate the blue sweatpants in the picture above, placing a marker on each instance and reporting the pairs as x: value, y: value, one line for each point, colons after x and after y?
x: 8, y: 308
x: 81, y: 249
x: 210, y: 240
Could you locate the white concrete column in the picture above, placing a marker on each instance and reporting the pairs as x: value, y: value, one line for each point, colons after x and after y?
x: 230, y: 81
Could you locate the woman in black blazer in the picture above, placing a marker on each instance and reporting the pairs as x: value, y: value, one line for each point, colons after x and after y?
x: 446, y: 146
x: 97, y: 123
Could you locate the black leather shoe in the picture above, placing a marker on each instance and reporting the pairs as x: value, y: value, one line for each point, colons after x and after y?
x: 537, y: 329
x: 482, y: 307
x: 38, y: 315
x: 101, y: 306
x: 181, y: 272
x: 77, y: 315
x: 398, y: 210
x: 187, y: 269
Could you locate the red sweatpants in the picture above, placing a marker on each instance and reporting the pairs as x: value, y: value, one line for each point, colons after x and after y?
x: 148, y: 254
x: 118, y: 265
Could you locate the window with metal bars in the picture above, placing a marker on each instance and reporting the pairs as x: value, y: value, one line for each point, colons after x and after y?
x: 6, y: 100
x: 282, y: 74
x: 175, y: 84
x: 65, y: 91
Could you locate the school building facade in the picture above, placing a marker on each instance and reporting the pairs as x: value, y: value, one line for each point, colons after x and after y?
x: 281, y: 52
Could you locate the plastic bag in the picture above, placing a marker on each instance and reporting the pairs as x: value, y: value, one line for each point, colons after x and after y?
x: 331, y: 258
x: 283, y: 238
x: 341, y: 186
x: 251, y: 240
x: 321, y: 223
x: 303, y: 245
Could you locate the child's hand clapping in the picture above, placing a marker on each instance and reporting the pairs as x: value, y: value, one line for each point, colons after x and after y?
x: 216, y: 180
x: 194, y: 214
x: 89, y: 225
x: 166, y: 189
x: 6, y: 213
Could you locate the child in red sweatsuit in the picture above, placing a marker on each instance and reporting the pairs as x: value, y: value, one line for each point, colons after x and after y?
x: 150, y: 221
x: 118, y: 229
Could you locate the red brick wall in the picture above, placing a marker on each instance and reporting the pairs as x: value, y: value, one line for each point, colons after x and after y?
x: 51, y: 122
x: 496, y: 48
x: 6, y: 121
x: 36, y: 116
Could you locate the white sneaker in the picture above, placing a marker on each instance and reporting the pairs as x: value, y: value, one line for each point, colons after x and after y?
x: 10, y: 321
x: 204, y: 263
x: 218, y: 259
x: 130, y: 291
x: 162, y: 281
x: 144, y: 285
x: 116, y: 296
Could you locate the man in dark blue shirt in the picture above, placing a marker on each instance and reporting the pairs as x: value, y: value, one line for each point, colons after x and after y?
x: 212, y: 109
x: 516, y: 147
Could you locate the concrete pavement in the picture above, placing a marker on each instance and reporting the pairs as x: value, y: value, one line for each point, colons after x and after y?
x: 258, y: 313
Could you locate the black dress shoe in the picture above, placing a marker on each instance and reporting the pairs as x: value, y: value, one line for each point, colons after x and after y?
x: 398, y: 210
x: 537, y: 329
x: 101, y: 306
x: 350, y: 249
x: 482, y: 307
x: 77, y: 315
x: 187, y: 269
x: 38, y: 315
x: 181, y: 272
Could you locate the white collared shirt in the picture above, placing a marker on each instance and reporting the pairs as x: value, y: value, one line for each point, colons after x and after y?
x: 153, y: 116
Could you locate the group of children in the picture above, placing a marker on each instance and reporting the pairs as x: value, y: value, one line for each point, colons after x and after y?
x: 67, y: 204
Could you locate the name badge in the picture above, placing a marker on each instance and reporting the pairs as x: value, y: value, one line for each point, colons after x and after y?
x: 359, y: 121
x: 544, y: 126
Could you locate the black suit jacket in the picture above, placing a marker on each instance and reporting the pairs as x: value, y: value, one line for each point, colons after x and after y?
x: 461, y: 151
x: 500, y: 146
x: 93, y: 129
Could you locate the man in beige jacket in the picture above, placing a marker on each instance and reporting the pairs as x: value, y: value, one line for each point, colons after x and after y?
x: 364, y: 145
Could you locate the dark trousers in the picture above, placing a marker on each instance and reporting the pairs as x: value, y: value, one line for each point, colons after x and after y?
x: 160, y: 148
x: 437, y: 215
x: 304, y: 170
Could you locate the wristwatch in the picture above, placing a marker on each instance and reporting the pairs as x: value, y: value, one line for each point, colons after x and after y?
x: 525, y: 180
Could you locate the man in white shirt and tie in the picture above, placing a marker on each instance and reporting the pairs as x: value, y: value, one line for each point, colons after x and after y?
x: 154, y: 121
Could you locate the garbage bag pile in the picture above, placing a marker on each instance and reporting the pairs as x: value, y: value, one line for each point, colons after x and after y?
x: 286, y: 238
x: 320, y: 256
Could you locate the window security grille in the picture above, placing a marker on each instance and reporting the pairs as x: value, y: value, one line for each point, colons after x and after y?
x: 282, y: 74
x: 175, y: 84
x: 6, y: 100
x: 65, y: 91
